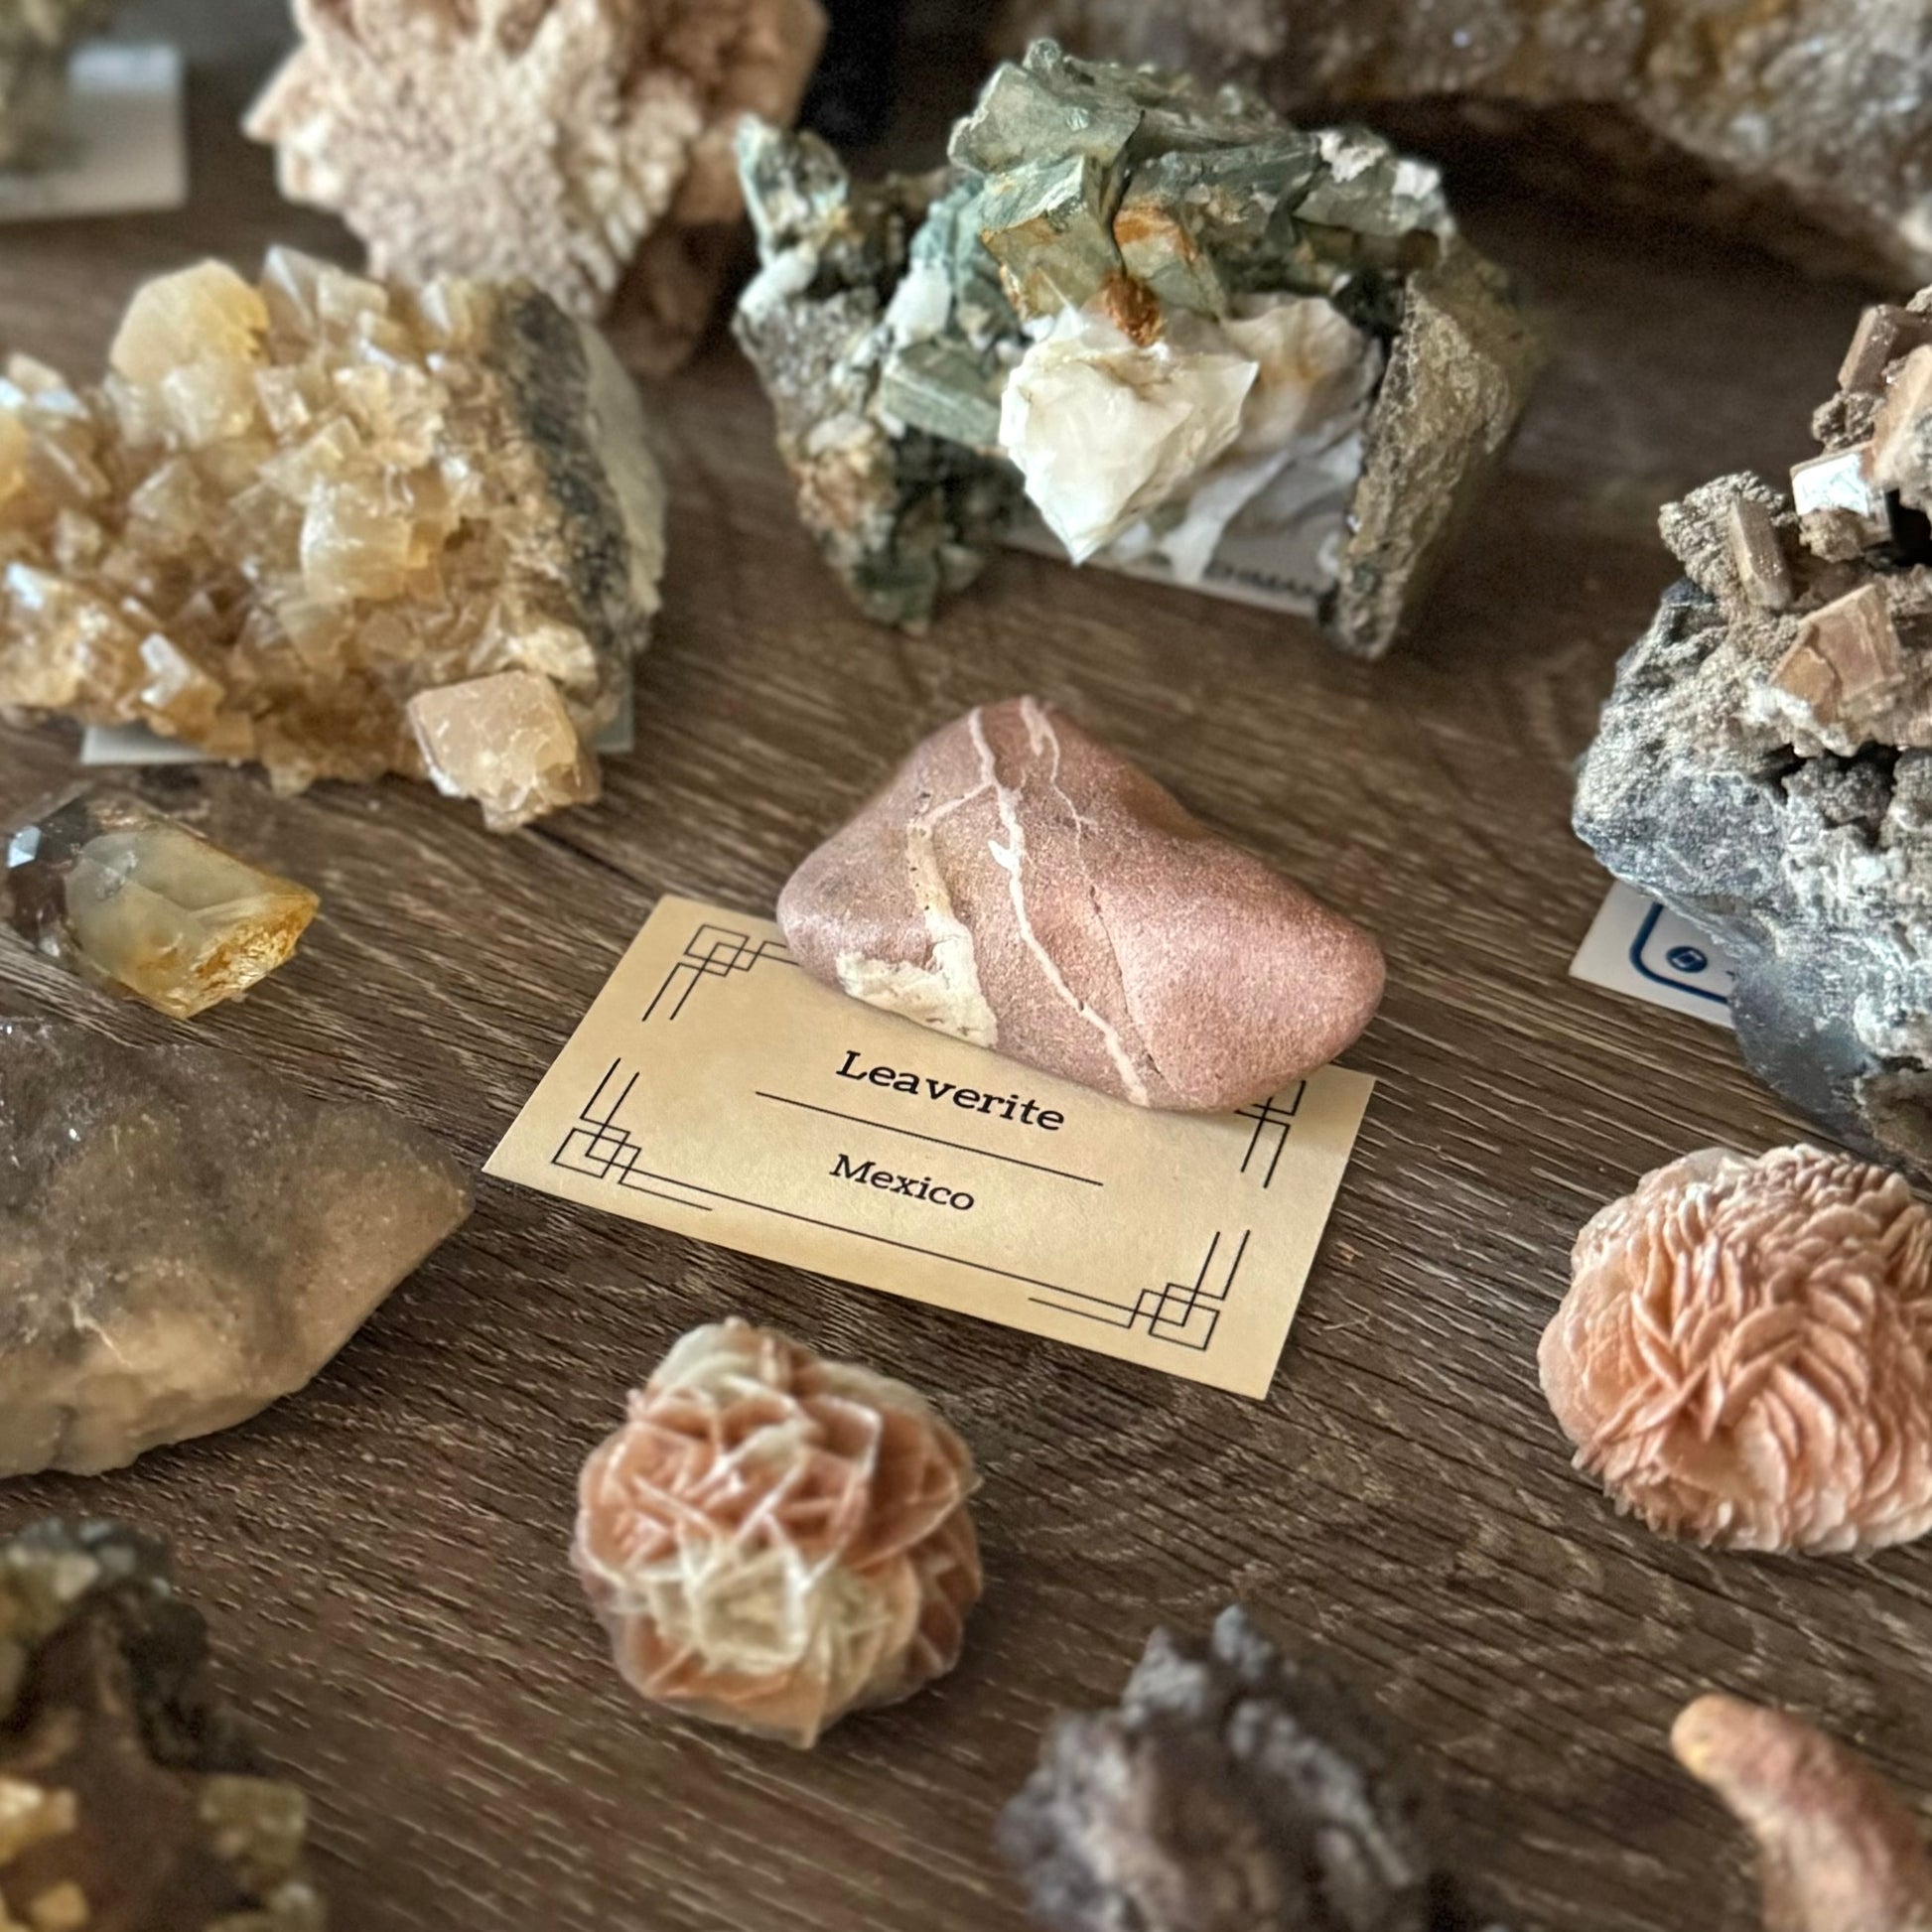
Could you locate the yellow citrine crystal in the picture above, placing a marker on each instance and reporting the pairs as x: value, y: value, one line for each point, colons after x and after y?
x: 126, y: 897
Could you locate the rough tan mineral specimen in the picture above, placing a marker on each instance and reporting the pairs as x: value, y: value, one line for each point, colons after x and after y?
x: 1744, y: 1355
x: 1818, y: 107
x: 546, y: 139
x: 127, y: 898
x: 292, y: 507
x: 1838, y: 1850
x: 36, y: 38
x: 774, y: 1540
x: 130, y: 1801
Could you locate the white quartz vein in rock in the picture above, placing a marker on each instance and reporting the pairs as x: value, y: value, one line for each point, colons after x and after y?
x: 945, y: 992
x: 1011, y: 857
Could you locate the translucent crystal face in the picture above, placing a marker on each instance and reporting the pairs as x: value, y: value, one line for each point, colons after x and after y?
x: 121, y: 894
x: 506, y: 741
x: 293, y: 507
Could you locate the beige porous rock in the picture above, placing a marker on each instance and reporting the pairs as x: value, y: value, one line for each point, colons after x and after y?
x: 554, y: 140
x: 295, y: 505
x: 183, y: 1240
x: 772, y: 1540
x: 1811, y: 119
x: 1744, y: 1355
x: 1020, y: 886
x: 1838, y: 1850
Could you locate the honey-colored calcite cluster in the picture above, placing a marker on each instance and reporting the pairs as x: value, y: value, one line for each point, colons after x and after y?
x: 567, y: 141
x: 294, y: 506
x: 772, y: 1540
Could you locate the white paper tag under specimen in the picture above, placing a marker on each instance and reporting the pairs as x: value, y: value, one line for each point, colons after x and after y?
x: 136, y: 744
x: 122, y: 150
x: 1636, y: 946
x: 715, y: 1090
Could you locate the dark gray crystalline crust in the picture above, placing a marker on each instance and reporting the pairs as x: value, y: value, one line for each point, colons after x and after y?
x: 1234, y: 1790
x: 1805, y: 853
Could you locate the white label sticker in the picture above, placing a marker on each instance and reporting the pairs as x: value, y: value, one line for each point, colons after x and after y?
x: 1637, y: 947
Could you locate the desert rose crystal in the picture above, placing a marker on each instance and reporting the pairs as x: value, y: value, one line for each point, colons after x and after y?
x: 562, y: 142
x: 129, y: 1799
x: 294, y: 506
x: 1744, y: 1355
x: 772, y: 1540
x: 1839, y: 1850
x: 125, y: 896
x: 1203, y: 342
x: 184, y: 1239
x: 1023, y: 886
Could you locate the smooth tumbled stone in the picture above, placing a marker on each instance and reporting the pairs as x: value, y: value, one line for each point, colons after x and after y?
x: 1023, y: 886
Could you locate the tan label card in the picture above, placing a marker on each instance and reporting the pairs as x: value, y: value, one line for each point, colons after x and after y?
x: 715, y: 1090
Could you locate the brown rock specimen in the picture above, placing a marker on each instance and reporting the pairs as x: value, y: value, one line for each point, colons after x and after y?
x: 1022, y: 887
x: 1838, y: 1850
x: 183, y: 1240
x: 774, y: 1540
x: 1234, y: 1790
x: 125, y: 896
x: 548, y: 141
x: 1744, y: 1355
x: 1822, y: 108
x: 291, y: 508
x: 129, y: 1801
x: 37, y: 36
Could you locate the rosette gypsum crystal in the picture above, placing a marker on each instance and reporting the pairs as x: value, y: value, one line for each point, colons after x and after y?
x: 337, y: 527
x: 1764, y: 763
x: 582, y: 144
x: 1199, y: 341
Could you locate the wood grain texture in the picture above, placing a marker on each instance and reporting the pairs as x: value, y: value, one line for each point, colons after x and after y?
x: 382, y: 1558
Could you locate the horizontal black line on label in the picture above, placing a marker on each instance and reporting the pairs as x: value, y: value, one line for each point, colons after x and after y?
x: 886, y: 1127
x: 839, y: 1227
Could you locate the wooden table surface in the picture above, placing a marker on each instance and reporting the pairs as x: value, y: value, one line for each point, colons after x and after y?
x: 382, y: 1558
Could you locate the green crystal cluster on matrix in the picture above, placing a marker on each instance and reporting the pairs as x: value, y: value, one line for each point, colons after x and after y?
x: 889, y: 317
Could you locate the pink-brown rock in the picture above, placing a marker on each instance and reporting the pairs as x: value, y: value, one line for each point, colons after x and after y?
x: 1744, y: 1355
x: 1023, y: 886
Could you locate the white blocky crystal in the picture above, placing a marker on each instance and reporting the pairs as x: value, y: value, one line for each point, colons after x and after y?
x: 1104, y: 429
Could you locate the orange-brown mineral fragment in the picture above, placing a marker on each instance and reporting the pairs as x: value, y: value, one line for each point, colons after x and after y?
x: 1838, y: 1850
x: 772, y: 1540
x: 294, y: 505
x: 1744, y: 1355
x: 546, y: 139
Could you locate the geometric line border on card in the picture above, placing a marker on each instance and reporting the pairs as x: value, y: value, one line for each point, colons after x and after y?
x: 1639, y: 965
x: 599, y: 1147
x: 1184, y: 1313
x: 1267, y: 1116
x: 713, y: 952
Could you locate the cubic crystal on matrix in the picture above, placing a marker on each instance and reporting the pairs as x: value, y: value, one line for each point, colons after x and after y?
x: 1195, y: 340
x: 129, y: 898
x: 295, y: 505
